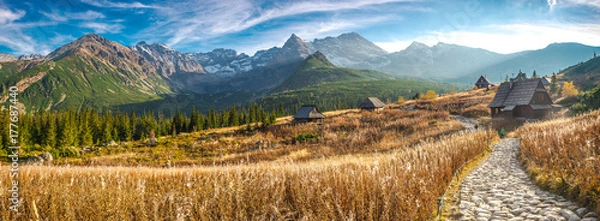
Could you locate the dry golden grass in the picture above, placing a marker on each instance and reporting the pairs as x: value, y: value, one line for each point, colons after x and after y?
x: 469, y: 103
x: 343, y: 132
x: 563, y: 155
x: 402, y: 184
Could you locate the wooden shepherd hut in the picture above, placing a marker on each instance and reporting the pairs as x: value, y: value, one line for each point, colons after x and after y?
x: 372, y: 104
x: 522, y: 99
x: 308, y: 113
x: 483, y: 82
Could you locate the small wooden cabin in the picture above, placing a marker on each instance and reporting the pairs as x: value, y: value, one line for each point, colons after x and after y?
x: 372, y: 104
x: 308, y: 113
x: 483, y: 82
x: 522, y: 99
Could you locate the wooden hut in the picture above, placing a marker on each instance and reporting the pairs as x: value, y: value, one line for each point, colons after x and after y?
x: 483, y: 82
x: 372, y: 104
x: 522, y: 99
x: 308, y: 113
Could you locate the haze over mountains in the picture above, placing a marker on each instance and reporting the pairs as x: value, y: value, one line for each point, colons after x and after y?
x: 92, y: 70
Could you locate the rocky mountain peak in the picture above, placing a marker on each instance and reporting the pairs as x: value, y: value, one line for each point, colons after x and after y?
x: 415, y: 45
x: 294, y: 50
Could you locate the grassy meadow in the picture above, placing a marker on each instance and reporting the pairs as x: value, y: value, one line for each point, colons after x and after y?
x: 402, y: 184
x: 356, y: 165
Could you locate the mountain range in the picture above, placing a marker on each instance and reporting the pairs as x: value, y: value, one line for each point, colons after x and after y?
x: 94, y: 71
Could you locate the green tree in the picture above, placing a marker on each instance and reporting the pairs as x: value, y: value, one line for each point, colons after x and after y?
x: 554, y: 83
x: 234, y: 117
x: 50, y: 130
x: 534, y: 76
x: 506, y: 79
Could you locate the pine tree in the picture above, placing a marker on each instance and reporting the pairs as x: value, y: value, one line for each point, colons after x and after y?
x: 506, y: 79
x: 86, y: 134
x: 234, y: 117
x: 554, y: 84
x: 50, y: 130
x: 534, y: 76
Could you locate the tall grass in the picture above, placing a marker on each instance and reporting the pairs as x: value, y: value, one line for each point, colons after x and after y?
x: 350, y: 132
x: 563, y: 155
x: 402, y: 184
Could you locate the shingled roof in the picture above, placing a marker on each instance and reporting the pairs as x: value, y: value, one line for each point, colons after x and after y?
x: 483, y: 81
x: 520, y: 93
x: 309, y: 112
x: 372, y: 102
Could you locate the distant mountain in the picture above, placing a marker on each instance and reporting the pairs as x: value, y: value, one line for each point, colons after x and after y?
x: 168, y: 61
x: 351, y: 50
x: 294, y: 50
x: 224, y: 62
x: 585, y: 75
x: 7, y: 57
x: 317, y: 69
x: 440, y: 61
x: 544, y: 61
x: 91, y: 71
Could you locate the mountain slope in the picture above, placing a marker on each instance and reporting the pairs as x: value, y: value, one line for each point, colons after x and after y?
x: 544, y: 61
x: 351, y: 50
x: 92, y: 72
x: 585, y: 75
x: 167, y: 61
x: 317, y: 69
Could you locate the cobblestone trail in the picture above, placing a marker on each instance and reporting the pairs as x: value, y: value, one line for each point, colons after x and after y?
x: 499, y: 189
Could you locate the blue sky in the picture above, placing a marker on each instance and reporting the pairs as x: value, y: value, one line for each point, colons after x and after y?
x: 503, y: 26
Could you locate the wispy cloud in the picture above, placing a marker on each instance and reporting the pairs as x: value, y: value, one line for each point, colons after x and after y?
x: 102, y: 28
x: 87, y: 15
x: 110, y: 4
x: 593, y: 3
x: 8, y: 16
x: 185, y: 22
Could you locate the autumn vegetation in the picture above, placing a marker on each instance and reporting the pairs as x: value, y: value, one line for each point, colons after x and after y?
x: 563, y: 155
x: 401, y: 184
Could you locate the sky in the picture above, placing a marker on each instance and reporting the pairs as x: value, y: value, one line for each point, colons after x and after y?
x: 503, y: 26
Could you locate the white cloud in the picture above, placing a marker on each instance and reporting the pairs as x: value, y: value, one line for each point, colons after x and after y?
x: 8, y: 16
x: 592, y: 3
x: 87, y: 15
x: 101, y: 28
x: 186, y: 22
x: 109, y: 4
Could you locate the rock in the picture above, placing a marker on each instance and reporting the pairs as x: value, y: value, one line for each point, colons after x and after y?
x: 566, y: 213
x: 47, y: 156
x: 591, y: 214
x: 581, y: 211
x: 589, y: 219
x: 35, y: 160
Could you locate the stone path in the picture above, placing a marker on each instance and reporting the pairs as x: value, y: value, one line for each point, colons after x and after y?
x: 468, y: 123
x: 499, y: 189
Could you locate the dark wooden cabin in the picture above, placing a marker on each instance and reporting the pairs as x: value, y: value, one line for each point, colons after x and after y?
x: 522, y: 99
x: 483, y: 82
x: 372, y: 104
x: 308, y: 113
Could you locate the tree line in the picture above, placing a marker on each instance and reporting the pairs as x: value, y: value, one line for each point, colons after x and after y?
x: 59, y: 130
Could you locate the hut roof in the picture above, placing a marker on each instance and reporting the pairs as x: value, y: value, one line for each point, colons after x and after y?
x: 546, y: 81
x: 483, y: 81
x: 516, y: 93
x: 372, y: 102
x: 309, y: 112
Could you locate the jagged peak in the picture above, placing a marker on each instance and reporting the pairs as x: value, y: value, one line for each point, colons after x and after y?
x: 416, y: 44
